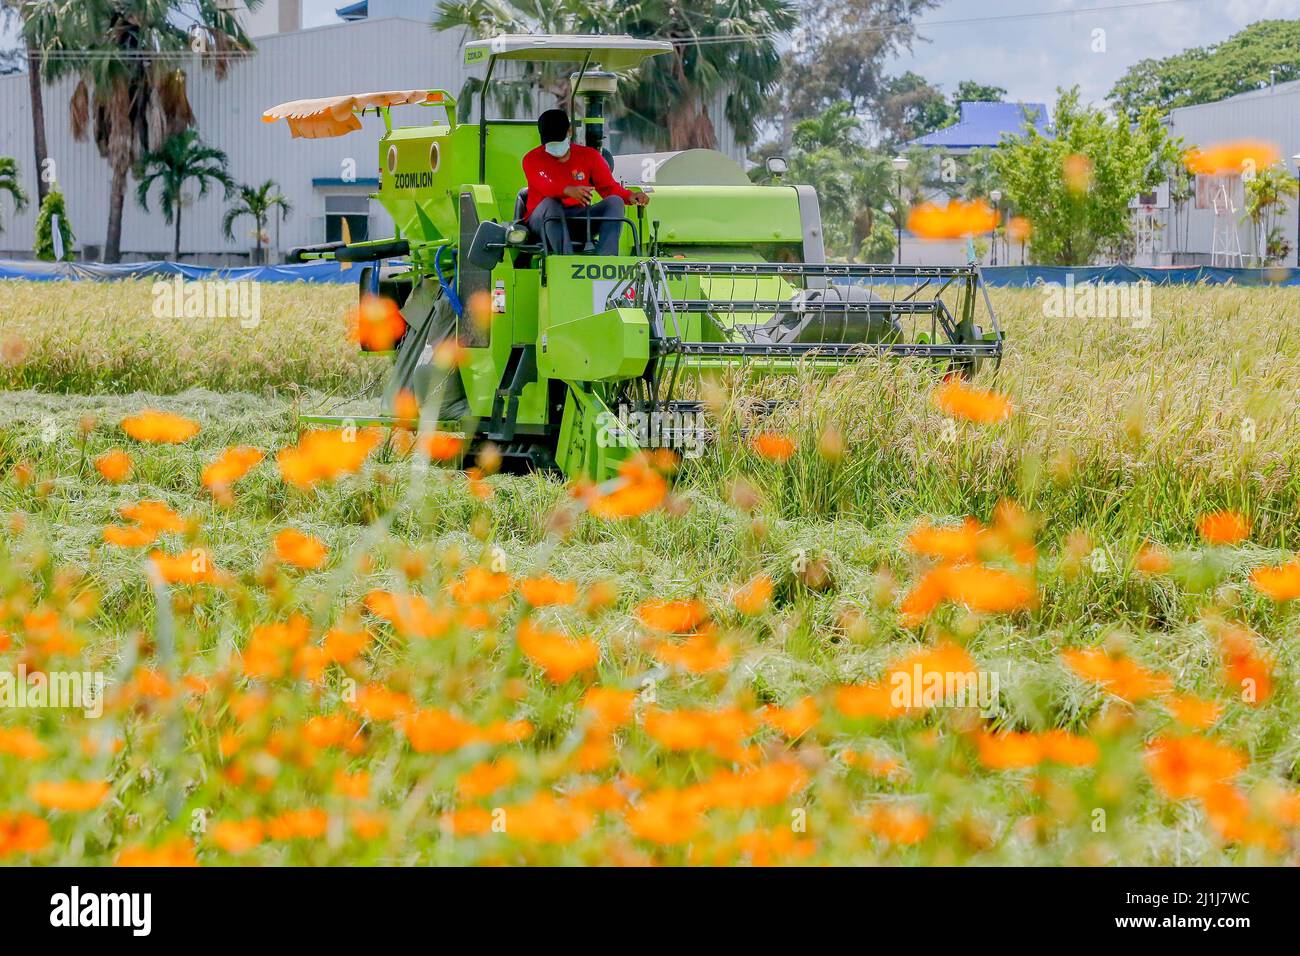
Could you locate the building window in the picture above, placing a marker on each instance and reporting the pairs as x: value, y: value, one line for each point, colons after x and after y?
x: 354, y: 209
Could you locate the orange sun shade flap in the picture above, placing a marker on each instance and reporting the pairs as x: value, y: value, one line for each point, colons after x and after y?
x: 336, y: 115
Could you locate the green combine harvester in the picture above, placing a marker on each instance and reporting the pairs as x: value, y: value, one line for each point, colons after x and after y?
x: 581, y: 360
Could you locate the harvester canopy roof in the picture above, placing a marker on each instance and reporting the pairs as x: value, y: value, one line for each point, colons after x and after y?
x: 611, y: 52
x: 336, y: 115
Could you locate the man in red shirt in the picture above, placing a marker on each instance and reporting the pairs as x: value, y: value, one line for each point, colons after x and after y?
x: 563, y: 177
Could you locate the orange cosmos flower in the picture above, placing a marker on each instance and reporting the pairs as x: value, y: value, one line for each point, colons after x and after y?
x: 1245, y: 668
x: 1184, y: 767
x: 195, y: 567
x: 959, y: 400
x: 1121, y: 676
x: 160, y: 427
x: 298, y: 825
x: 377, y: 703
x: 672, y: 617
x: 406, y: 409
x: 238, y: 836
x: 543, y: 819
x: 667, y: 817
x: 1009, y: 751
x: 114, y: 466
x: 698, y: 654
x: 608, y: 708
x: 1194, y: 712
x: 1280, y: 583
x: 755, y: 596
x: 1233, y: 157
x: 484, y: 779
x: 546, y: 591
x: 1223, y: 527
x: 1019, y: 229
x: 21, y: 742
x: 638, y: 489
x: 71, y: 795
x: 720, y: 731
x: 271, y: 645
x: 22, y: 833
x: 979, y: 588
x: 478, y: 585
x: 900, y: 825
x: 366, y: 825
x: 1153, y: 559
x: 129, y: 535
x: 988, y: 590
x: 773, y: 446
x: 961, y: 543
x: 559, y: 657
x: 440, y: 446
x: 178, y: 852
x: 437, y: 731
x: 153, y: 515
x: 342, y: 645
x: 1076, y: 170
x: 376, y: 323
x: 301, y: 550
x: 231, y: 465
x: 410, y: 614
x: 955, y: 221
x: 333, y: 730
x: 793, y: 721
x: 323, y: 455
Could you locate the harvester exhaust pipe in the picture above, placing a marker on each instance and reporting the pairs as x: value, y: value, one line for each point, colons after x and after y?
x: 595, y: 87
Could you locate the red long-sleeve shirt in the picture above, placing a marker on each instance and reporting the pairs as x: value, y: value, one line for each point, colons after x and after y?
x: 548, y: 177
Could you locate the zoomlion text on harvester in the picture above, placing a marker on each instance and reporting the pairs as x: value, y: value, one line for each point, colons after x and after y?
x: 717, y: 279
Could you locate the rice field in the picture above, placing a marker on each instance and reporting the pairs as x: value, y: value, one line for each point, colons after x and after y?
x: 354, y: 655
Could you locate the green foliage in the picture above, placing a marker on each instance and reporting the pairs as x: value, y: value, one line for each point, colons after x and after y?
x: 182, y: 158
x: 1268, y: 193
x: 51, y: 207
x: 11, y: 183
x: 1077, y: 217
x: 665, y: 102
x: 256, y: 202
x: 1264, y: 52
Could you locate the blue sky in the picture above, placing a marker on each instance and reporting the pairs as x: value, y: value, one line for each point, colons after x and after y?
x: 1031, y: 57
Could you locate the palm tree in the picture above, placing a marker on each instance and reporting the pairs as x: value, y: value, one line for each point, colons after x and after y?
x: 1266, y: 194
x: 258, y: 202
x: 11, y: 184
x: 717, y: 44
x: 836, y: 128
x: 132, y: 91
x: 181, y: 158
x: 38, y: 30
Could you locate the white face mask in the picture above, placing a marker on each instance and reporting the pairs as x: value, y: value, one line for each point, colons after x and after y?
x: 558, y: 149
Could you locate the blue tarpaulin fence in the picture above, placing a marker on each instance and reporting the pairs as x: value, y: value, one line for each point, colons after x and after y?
x: 319, y: 271
x: 327, y: 271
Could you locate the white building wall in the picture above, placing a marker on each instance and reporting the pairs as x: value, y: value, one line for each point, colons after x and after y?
x: 367, y: 55
x: 1272, y: 115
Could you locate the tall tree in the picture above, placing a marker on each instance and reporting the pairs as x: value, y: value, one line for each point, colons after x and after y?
x: 35, y: 23
x: 840, y: 49
x: 718, y: 45
x: 906, y: 107
x: 256, y: 202
x: 1263, y: 53
x: 181, y: 159
x: 1267, y: 194
x: 131, y: 92
x: 11, y: 183
x: 1075, y: 187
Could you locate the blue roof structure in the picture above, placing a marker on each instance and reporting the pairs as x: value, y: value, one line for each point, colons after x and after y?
x: 983, y: 124
x: 354, y: 11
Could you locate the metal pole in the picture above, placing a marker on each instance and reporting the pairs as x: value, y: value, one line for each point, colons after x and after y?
x: 1297, y: 219
x: 898, y: 219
